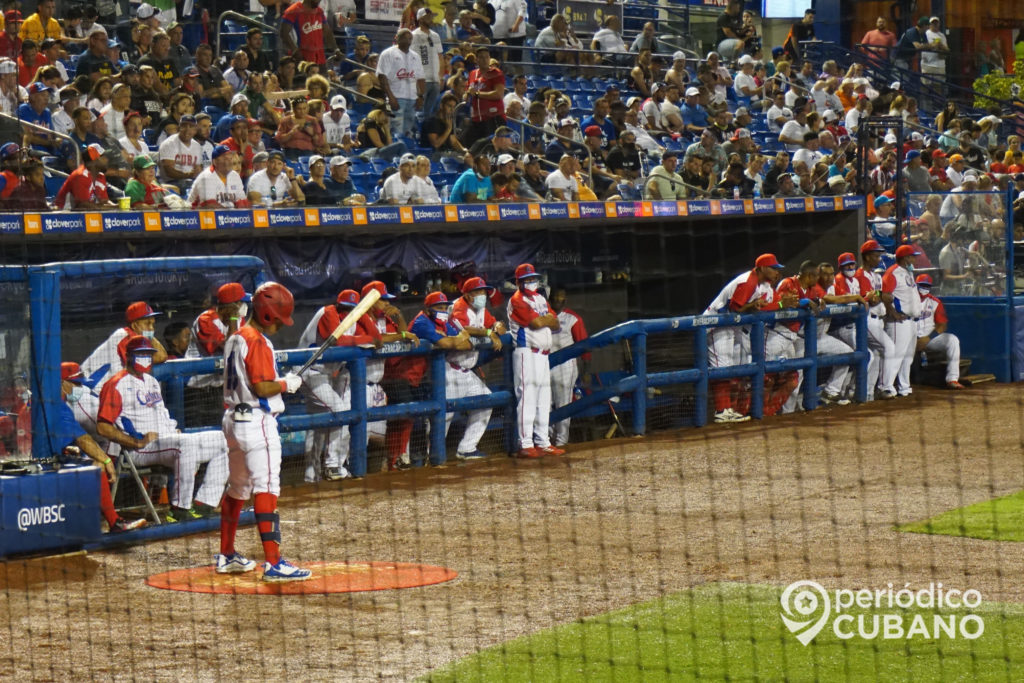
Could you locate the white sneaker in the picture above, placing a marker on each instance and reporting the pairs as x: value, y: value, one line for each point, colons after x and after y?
x: 235, y: 563
x: 730, y: 415
x: 834, y: 399
x: 284, y: 571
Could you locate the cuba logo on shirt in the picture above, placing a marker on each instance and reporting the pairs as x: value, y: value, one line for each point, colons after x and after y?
x: 148, y: 399
x: 311, y: 27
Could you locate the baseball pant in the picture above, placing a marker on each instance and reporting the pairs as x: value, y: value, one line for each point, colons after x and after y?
x: 375, y: 398
x: 184, y: 453
x: 254, y: 455
x: 531, y: 373
x: 324, y: 393
x: 723, y: 351
x: 782, y: 343
x: 904, y: 339
x: 948, y: 344
x: 883, y: 353
x: 830, y: 346
x: 563, y: 382
x: 459, y: 383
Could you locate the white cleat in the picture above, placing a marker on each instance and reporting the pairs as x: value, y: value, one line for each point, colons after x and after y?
x: 235, y: 563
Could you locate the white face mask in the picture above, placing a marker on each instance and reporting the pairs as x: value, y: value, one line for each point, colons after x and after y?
x: 479, y: 302
x: 143, y: 363
x: 441, y: 316
x: 531, y: 286
x: 148, y: 334
x: 76, y: 394
x: 849, y: 272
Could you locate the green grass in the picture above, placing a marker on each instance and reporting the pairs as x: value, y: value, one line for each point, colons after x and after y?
x: 734, y: 632
x: 999, y: 519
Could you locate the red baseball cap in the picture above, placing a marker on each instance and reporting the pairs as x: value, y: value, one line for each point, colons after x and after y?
x: 348, y: 297
x: 845, y: 258
x: 232, y: 293
x: 379, y: 286
x: 938, y: 154
x: 435, y: 299
x: 593, y: 131
x: 871, y: 245
x: 906, y: 250
x: 475, y: 283
x: 138, y: 311
x: 768, y: 261
x: 12, y: 15
x: 924, y: 279
x: 71, y: 372
x: 526, y: 270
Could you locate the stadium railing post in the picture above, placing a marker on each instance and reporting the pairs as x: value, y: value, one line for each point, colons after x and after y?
x: 862, y: 348
x: 44, y: 311
x: 640, y: 394
x: 700, y: 356
x: 438, y: 396
x: 757, y: 380
x: 811, y: 353
x: 357, y: 430
x: 511, y: 438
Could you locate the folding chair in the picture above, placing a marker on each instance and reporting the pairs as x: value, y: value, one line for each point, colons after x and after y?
x: 123, y: 459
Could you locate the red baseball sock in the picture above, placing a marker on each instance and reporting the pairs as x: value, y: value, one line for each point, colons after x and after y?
x: 741, y: 397
x: 230, y: 509
x: 721, y: 391
x: 396, y: 439
x: 106, y: 502
x: 265, y: 505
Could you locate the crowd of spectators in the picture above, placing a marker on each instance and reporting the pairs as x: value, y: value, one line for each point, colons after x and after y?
x: 451, y: 112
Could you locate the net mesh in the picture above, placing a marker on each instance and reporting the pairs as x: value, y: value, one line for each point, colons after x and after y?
x: 783, y: 548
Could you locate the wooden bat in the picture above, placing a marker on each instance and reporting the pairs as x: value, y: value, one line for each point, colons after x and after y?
x: 350, y: 320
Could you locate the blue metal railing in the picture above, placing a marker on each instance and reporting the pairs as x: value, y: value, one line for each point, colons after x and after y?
x: 176, y: 373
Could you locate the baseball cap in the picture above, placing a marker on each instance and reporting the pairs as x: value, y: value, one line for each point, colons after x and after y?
x: 535, y: 159
x: 505, y: 159
x: 922, y: 20
x: 338, y: 102
x: 916, y: 136
x: 138, y: 311
x: 970, y: 177
x: 8, y: 67
x: 938, y: 154
x: 239, y: 97
x: 129, y: 69
x: 829, y: 115
x: 316, y: 158
x: 275, y: 154
x: 740, y: 134
x: 912, y: 154
x: 592, y: 131
x: 142, y: 162
x: 905, y: 250
x: 526, y: 270
x: 12, y: 15
x: 846, y: 258
x: 113, y: 42
x: 924, y: 280
x: 407, y: 158
x: 340, y: 160
x: 741, y: 111
x: 871, y: 245
x: 48, y: 43
x: 348, y: 297
x: 890, y: 139
x: 424, y: 11
x: 260, y: 157
x: 252, y: 123
x: 69, y: 371
x: 378, y: 286
x: 190, y: 72
x: 187, y: 118
x: 435, y: 299
x: 38, y: 87
x: 232, y: 293
x: 475, y: 283
x: 933, y: 19
x: 745, y: 59
x: 881, y: 200
x: 94, y: 152
x: 787, y: 112
x: 456, y: 59
x: 219, y: 151
x: 66, y: 93
x: 633, y: 100
x: 836, y: 181
x: 145, y: 11
x: 9, y: 150
x: 693, y: 92
x: 567, y: 121
x: 953, y: 158
x: 895, y: 85
x: 768, y: 261
x: 678, y: 55
x: 776, y: 51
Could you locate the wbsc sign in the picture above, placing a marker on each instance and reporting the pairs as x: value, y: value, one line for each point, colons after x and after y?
x: 40, y: 516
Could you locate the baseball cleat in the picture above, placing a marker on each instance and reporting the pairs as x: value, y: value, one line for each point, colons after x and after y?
x: 551, y: 450
x: 235, y: 563
x: 529, y: 454
x: 954, y: 384
x: 204, y: 510
x: 834, y: 399
x: 182, y: 515
x: 284, y: 571
x: 121, y: 525
x: 472, y: 455
x: 336, y: 473
x: 887, y: 394
x: 730, y: 415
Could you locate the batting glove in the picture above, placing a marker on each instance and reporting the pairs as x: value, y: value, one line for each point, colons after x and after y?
x: 292, y: 383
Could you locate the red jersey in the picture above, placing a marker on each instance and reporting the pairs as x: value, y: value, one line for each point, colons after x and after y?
x: 10, y: 47
x: 309, y: 30
x: 481, y: 109
x: 8, y: 182
x: 27, y: 72
x: 791, y: 285
x: 209, y: 332
x: 81, y: 186
x: 247, y: 154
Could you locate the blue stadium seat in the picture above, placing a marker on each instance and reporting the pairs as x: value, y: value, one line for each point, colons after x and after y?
x: 214, y: 113
x: 380, y: 164
x: 452, y: 165
x: 361, y: 166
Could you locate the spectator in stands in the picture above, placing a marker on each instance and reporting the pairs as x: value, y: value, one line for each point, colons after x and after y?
x: 641, y: 76
x: 259, y: 62
x: 645, y: 40
x: 745, y: 86
x: 180, y: 155
x: 216, y: 91
x: 306, y: 20
x: 910, y: 43
x: 735, y: 184
x: 496, y: 145
x: 788, y: 186
x: 623, y: 160
x: 509, y: 27
x: 553, y: 38
x: 29, y: 62
x: 238, y: 141
x: 561, y: 184
x: 80, y: 134
x: 238, y: 73
x: 918, y: 178
x: 800, y: 32
x: 142, y: 41
x: 467, y: 32
x: 118, y: 166
x: 401, y: 75
x: 86, y: 186
x: 10, y: 43
x: 883, y: 177
x: 663, y: 181
x: 239, y: 108
x: 299, y: 133
x: 519, y: 93
x: 374, y: 136
x: 809, y: 153
x: 708, y: 148
x: 30, y: 193
x: 739, y: 145
x: 671, y: 113
x: 337, y: 125
x: 167, y: 75
x: 449, y: 26
x: 933, y: 55
x: 474, y: 185
x: 880, y: 42
x: 559, y: 146
x: 317, y: 190
x: 117, y: 109
x: 427, y: 44
x: 340, y: 186
x: 533, y: 176
x: 218, y: 186
x: 275, y: 186
x: 41, y: 25
x: 608, y: 41
x: 486, y: 98
x: 731, y: 34
x: 438, y: 132
x: 132, y: 142
x: 145, y: 98
x: 599, y: 118
x: 69, y: 102
x: 177, y: 52
x: 596, y: 165
x: 144, y: 191
x: 181, y: 105
x: 792, y: 133
x: 12, y: 95
x: 678, y: 73
x: 405, y: 187
x: 36, y: 111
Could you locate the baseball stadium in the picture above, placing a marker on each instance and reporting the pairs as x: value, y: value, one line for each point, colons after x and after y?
x: 504, y: 340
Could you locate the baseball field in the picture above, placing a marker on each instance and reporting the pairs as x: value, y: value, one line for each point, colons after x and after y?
x: 656, y: 558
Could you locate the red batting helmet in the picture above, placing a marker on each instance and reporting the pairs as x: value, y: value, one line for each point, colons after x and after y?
x: 273, y: 303
x: 924, y: 280
x: 139, y: 345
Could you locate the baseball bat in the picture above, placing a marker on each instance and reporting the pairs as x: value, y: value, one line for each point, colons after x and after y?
x: 349, y: 321
x: 617, y: 424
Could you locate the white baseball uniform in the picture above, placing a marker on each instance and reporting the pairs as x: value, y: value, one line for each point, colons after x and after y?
x: 136, y: 406
x: 899, y: 282
x: 932, y: 312
x: 848, y: 333
x: 254, y: 446
x: 723, y: 342
x: 375, y: 394
x: 461, y: 380
x: 208, y: 336
x: 830, y: 346
x: 530, y: 368
x: 883, y: 351
x: 564, y: 376
x: 105, y: 360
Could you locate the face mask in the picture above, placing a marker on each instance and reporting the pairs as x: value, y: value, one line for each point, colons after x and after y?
x: 479, y: 302
x: 25, y: 396
x: 148, y: 334
x: 142, y: 364
x: 76, y: 394
x: 924, y: 291
x: 441, y: 316
x: 849, y: 272
x: 531, y: 286
x: 910, y: 268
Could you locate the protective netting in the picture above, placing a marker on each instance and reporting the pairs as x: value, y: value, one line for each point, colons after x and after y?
x: 851, y: 541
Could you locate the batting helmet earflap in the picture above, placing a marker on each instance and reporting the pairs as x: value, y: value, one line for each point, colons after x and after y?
x: 139, y: 346
x: 273, y: 303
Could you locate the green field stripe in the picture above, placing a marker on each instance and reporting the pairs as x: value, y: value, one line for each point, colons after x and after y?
x: 999, y: 519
